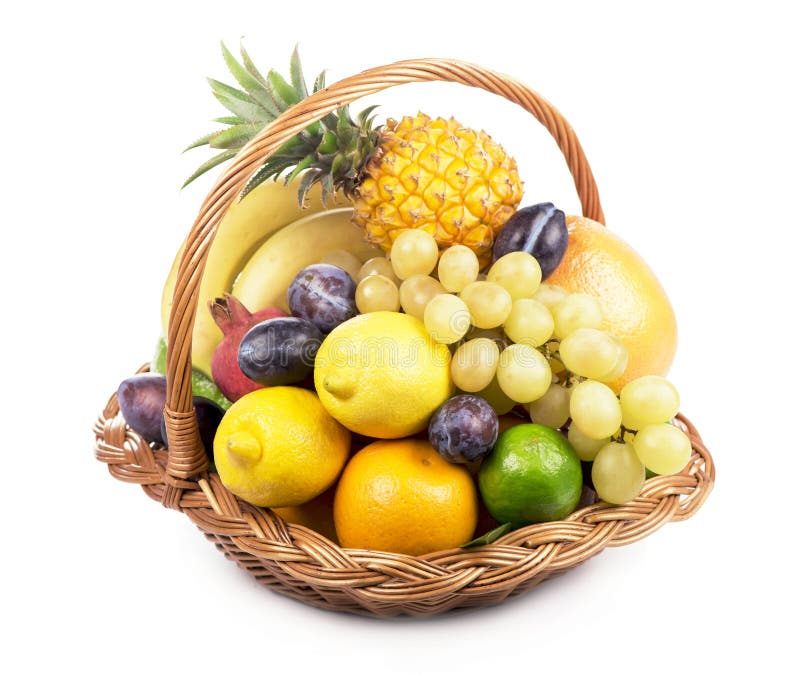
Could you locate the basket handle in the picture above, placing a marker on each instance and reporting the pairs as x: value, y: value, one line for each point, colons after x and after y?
x: 186, y: 455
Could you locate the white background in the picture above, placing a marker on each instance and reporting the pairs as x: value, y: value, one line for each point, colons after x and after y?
x: 689, y: 115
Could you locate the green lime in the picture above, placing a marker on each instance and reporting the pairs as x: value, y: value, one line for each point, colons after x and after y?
x: 202, y: 385
x: 532, y: 475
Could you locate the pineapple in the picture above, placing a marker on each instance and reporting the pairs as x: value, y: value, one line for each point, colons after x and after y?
x: 432, y: 174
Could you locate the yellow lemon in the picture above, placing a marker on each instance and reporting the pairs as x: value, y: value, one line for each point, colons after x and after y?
x: 278, y: 447
x: 382, y: 375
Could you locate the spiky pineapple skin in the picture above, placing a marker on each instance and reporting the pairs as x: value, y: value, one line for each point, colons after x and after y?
x: 437, y: 175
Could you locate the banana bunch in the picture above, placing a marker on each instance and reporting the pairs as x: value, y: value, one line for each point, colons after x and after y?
x: 262, y: 243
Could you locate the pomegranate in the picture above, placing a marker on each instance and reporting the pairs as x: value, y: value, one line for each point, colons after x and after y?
x: 234, y: 319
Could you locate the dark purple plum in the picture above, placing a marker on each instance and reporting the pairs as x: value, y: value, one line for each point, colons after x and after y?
x: 323, y: 294
x: 463, y: 429
x: 279, y: 351
x: 208, y: 414
x: 540, y: 230
x: 141, y: 400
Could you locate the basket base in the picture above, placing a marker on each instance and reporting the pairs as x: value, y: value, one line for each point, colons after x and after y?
x: 341, y: 601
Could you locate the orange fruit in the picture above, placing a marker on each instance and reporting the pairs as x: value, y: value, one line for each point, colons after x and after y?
x: 636, y: 308
x: 316, y: 514
x: 402, y: 496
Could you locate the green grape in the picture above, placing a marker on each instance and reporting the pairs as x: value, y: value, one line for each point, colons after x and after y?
x: 377, y: 266
x: 621, y: 363
x: 375, y: 293
x: 576, y: 311
x: 446, y: 318
x: 523, y: 373
x: 648, y: 400
x: 497, y: 399
x: 617, y: 473
x: 595, y: 409
x: 529, y: 322
x: 552, y: 409
x: 416, y: 292
x: 414, y: 252
x: 663, y: 448
x: 585, y: 447
x: 518, y: 273
x: 474, y: 364
x: 590, y: 353
x: 549, y: 294
x: 488, y: 303
x: 458, y: 267
x: 344, y: 260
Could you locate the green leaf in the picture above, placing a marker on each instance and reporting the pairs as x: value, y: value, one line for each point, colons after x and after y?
x: 210, y: 164
x: 264, y: 172
x: 230, y: 119
x: 234, y: 137
x: 261, y: 175
x: 490, y: 537
x: 238, y: 102
x: 328, y: 187
x: 319, y: 83
x: 364, y: 118
x: 294, y: 147
x: 329, y: 144
x: 340, y: 166
x: 330, y: 121
x: 308, y: 138
x: 314, y: 129
x: 221, y: 88
x: 344, y: 127
x: 296, y: 73
x: 202, y: 141
x: 309, y: 179
x: 253, y: 87
x: 282, y: 88
x: 251, y: 67
x: 302, y: 165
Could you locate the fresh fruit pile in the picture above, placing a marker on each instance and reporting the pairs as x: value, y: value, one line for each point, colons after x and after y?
x: 426, y: 365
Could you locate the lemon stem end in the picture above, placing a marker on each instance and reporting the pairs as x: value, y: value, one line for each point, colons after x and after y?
x: 339, y: 387
x: 244, y: 448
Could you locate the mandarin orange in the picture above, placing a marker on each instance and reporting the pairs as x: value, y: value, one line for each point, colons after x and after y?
x: 402, y: 496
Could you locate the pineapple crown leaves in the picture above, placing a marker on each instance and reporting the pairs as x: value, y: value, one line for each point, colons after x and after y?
x: 333, y: 151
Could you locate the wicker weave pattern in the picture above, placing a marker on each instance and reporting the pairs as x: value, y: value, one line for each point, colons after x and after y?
x: 300, y: 563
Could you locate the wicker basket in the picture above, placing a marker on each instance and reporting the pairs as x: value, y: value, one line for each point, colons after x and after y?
x: 296, y: 561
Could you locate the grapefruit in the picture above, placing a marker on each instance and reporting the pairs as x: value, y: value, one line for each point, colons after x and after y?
x: 635, y: 306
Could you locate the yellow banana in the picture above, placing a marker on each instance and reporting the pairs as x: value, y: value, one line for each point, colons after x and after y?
x: 265, y: 279
x: 265, y: 210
